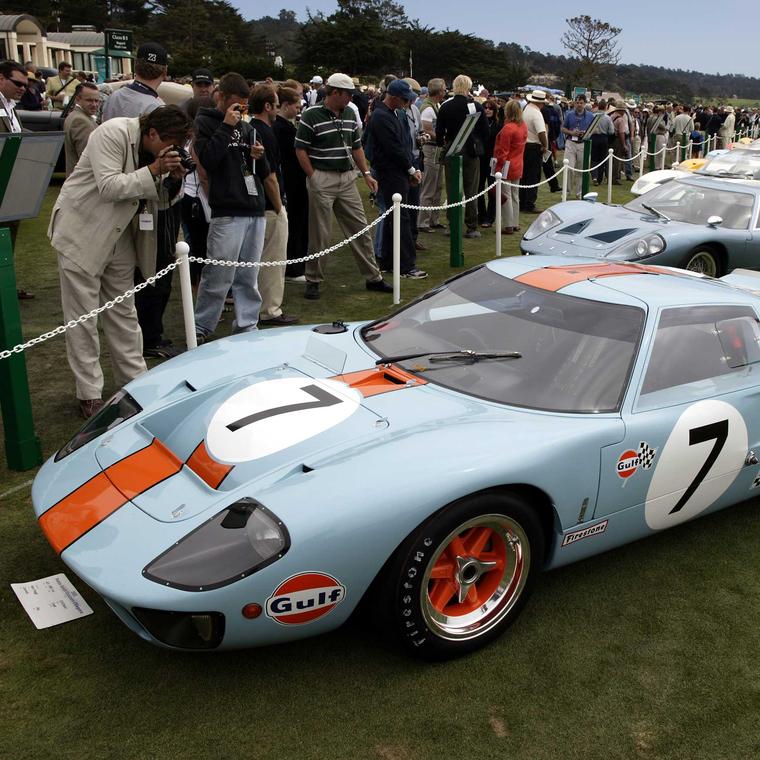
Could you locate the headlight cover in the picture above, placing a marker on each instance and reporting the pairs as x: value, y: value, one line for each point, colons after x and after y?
x: 639, y: 248
x: 121, y: 406
x: 545, y: 221
x: 233, y: 544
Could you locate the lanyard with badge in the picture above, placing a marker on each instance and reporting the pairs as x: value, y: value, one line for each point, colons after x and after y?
x: 248, y: 176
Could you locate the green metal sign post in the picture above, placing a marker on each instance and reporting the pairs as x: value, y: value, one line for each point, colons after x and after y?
x: 456, y: 214
x: 22, y: 447
x: 652, y: 143
x: 586, y: 176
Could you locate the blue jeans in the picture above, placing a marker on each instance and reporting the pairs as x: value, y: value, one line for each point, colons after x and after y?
x: 231, y: 238
x: 377, y: 242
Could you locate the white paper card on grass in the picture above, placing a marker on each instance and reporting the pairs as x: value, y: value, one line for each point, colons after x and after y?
x: 51, y: 601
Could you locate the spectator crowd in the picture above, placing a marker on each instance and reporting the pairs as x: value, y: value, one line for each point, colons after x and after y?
x: 255, y: 172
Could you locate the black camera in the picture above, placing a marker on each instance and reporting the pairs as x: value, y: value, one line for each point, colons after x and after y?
x: 185, y: 159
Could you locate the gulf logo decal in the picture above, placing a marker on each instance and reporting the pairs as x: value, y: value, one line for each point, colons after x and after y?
x: 630, y: 461
x: 304, y: 598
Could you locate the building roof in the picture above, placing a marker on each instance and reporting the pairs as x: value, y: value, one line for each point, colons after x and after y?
x: 79, y: 39
x: 8, y: 23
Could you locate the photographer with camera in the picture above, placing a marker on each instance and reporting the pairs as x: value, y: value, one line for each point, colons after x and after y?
x: 103, y: 226
x: 239, y: 176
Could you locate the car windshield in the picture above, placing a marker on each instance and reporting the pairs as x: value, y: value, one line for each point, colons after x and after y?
x: 695, y: 204
x: 735, y: 163
x: 551, y: 352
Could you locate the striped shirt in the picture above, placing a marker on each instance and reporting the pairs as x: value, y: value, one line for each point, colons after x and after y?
x: 327, y: 139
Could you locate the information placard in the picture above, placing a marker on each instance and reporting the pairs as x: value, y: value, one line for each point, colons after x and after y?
x: 51, y: 601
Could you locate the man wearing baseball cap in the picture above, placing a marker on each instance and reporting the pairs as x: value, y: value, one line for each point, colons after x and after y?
x: 134, y: 99
x: 329, y: 150
x: 313, y: 95
x: 392, y: 159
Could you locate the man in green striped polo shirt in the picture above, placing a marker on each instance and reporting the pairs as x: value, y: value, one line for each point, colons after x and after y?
x: 328, y: 147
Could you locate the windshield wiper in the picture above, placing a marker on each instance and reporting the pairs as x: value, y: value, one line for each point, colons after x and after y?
x: 451, y: 356
x: 655, y: 211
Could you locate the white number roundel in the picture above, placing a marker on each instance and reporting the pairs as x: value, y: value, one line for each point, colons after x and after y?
x: 273, y: 415
x: 699, y: 462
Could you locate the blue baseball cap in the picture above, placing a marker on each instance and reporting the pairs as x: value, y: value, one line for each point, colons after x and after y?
x: 401, y: 89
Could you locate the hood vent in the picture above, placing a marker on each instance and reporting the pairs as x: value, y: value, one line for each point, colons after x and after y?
x: 575, y: 229
x: 611, y: 235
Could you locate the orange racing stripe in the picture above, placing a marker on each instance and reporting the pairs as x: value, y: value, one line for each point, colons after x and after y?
x: 371, y: 382
x: 556, y: 278
x: 206, y: 468
x: 91, y: 503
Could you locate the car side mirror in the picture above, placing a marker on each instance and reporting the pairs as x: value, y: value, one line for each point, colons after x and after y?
x: 591, y: 197
x: 714, y: 221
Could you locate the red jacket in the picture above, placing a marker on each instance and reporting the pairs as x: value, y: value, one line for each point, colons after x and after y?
x: 510, y: 143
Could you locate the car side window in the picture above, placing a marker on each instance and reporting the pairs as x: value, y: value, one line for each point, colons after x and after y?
x: 699, y: 351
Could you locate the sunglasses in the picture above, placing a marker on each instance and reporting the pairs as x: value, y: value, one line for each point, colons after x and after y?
x: 17, y: 83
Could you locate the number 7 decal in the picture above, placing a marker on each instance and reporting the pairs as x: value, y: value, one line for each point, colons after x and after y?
x: 323, y: 398
x: 715, y: 431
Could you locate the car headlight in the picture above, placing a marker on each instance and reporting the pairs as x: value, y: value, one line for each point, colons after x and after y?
x: 545, y: 221
x: 639, y: 248
x: 118, y: 408
x: 234, y: 543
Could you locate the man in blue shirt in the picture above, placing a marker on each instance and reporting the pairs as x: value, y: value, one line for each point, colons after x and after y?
x: 575, y: 124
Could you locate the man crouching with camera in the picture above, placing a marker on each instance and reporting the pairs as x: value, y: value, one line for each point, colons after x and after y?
x: 103, y: 225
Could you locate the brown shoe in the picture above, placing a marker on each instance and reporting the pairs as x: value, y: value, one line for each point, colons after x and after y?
x: 90, y: 407
x: 507, y: 230
x: 419, y: 246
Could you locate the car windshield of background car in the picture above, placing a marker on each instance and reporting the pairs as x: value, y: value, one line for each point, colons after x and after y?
x: 576, y: 354
x: 743, y: 164
x: 695, y: 204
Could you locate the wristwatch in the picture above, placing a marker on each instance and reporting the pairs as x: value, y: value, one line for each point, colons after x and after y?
x: 411, y: 171
x: 368, y: 173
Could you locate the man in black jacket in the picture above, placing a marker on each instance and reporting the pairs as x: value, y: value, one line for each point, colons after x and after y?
x: 392, y: 161
x: 238, y: 175
x: 451, y: 116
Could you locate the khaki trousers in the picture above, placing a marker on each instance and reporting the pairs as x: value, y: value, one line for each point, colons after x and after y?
x: 272, y: 279
x: 430, y: 190
x: 337, y: 192
x: 80, y: 294
x: 574, y: 155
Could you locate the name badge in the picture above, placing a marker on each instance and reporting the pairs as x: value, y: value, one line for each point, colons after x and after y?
x: 250, y: 184
x: 146, y: 222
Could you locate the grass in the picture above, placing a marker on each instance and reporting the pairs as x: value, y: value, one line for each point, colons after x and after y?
x: 646, y: 652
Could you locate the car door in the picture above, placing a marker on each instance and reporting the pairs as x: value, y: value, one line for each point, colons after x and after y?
x: 692, y: 425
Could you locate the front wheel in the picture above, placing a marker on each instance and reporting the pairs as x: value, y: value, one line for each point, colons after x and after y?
x: 462, y: 578
x: 703, y: 260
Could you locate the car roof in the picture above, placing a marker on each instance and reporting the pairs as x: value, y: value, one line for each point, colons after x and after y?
x: 620, y: 282
x: 721, y: 183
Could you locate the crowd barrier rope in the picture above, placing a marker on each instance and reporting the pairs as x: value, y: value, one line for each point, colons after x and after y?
x: 184, y: 259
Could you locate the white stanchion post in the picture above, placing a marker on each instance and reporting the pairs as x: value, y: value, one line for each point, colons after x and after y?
x: 610, y: 165
x: 182, y: 251
x: 688, y: 149
x: 565, y: 172
x: 497, y: 201
x: 396, y: 248
x: 664, y: 158
x: 642, y: 157
x: 678, y: 153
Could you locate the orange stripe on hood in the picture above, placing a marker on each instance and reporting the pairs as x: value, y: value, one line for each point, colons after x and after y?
x: 91, y: 503
x: 206, y: 468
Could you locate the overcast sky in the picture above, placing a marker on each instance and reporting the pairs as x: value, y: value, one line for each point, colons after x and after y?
x: 701, y: 35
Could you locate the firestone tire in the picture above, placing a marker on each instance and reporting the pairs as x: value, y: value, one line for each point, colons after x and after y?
x: 461, y: 579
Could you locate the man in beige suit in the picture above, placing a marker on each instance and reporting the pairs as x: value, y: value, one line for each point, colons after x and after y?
x: 80, y: 123
x: 102, y: 226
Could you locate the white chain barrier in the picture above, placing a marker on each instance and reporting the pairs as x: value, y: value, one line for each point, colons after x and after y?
x: 183, y: 259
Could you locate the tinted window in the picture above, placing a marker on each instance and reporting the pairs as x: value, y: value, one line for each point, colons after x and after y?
x: 689, y: 347
x: 575, y: 354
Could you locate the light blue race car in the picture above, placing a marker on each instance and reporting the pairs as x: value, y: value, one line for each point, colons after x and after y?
x: 703, y: 224
x: 526, y: 414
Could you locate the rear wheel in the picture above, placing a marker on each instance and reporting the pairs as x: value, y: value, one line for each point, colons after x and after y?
x: 704, y: 260
x: 461, y: 578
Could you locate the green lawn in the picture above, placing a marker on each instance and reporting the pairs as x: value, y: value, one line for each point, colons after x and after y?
x: 646, y: 652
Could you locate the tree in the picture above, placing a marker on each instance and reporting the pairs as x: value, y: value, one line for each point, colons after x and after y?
x: 594, y: 43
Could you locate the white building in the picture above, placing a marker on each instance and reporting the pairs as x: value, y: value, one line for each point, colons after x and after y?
x: 23, y: 38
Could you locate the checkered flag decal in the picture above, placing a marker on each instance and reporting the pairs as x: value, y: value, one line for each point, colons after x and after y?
x: 756, y: 481
x: 646, y: 455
